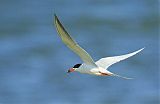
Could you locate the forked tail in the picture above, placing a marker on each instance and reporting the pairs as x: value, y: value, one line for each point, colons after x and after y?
x: 121, y: 76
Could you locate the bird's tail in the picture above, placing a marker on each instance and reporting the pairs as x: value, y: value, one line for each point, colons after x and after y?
x: 121, y: 76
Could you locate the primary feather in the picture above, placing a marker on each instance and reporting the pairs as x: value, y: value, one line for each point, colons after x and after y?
x: 108, y: 61
x: 68, y: 40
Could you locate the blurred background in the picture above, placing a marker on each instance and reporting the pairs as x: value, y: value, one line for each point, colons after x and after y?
x: 34, y: 61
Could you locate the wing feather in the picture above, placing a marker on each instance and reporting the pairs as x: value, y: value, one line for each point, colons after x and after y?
x: 108, y: 61
x: 68, y: 40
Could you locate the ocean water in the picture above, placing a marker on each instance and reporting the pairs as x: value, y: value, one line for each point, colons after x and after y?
x: 34, y: 61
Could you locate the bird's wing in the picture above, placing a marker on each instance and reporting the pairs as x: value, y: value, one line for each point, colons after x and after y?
x: 68, y: 40
x: 108, y: 61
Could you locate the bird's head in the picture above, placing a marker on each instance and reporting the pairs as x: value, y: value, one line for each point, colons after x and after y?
x: 74, y: 68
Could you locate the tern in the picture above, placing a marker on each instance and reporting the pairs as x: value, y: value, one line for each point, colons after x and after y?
x: 89, y: 66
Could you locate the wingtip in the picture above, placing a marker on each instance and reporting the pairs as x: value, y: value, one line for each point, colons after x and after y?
x: 141, y: 49
x: 55, y: 16
x: 56, y: 20
x: 135, y: 52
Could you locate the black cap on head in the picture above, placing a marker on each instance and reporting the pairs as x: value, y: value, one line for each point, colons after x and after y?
x: 77, y: 65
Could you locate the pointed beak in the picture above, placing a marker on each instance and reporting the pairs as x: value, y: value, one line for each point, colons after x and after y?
x: 70, y: 70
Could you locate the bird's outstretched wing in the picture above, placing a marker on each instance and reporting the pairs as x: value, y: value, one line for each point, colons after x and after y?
x: 68, y: 40
x: 108, y: 61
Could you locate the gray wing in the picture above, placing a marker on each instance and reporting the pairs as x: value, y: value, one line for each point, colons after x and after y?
x: 108, y: 61
x: 67, y: 39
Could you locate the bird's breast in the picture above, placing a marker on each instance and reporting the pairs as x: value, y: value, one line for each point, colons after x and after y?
x: 86, y: 69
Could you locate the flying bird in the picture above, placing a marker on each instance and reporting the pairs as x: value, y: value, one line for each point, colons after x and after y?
x: 89, y: 66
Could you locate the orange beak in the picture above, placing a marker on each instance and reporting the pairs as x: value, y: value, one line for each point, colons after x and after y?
x: 70, y: 70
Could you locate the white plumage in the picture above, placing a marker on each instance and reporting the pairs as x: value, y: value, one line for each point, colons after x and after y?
x: 89, y: 66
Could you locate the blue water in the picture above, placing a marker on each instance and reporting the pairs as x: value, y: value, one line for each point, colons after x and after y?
x: 34, y: 61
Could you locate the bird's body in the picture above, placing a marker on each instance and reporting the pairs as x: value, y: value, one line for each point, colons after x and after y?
x: 89, y: 66
x: 89, y: 69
